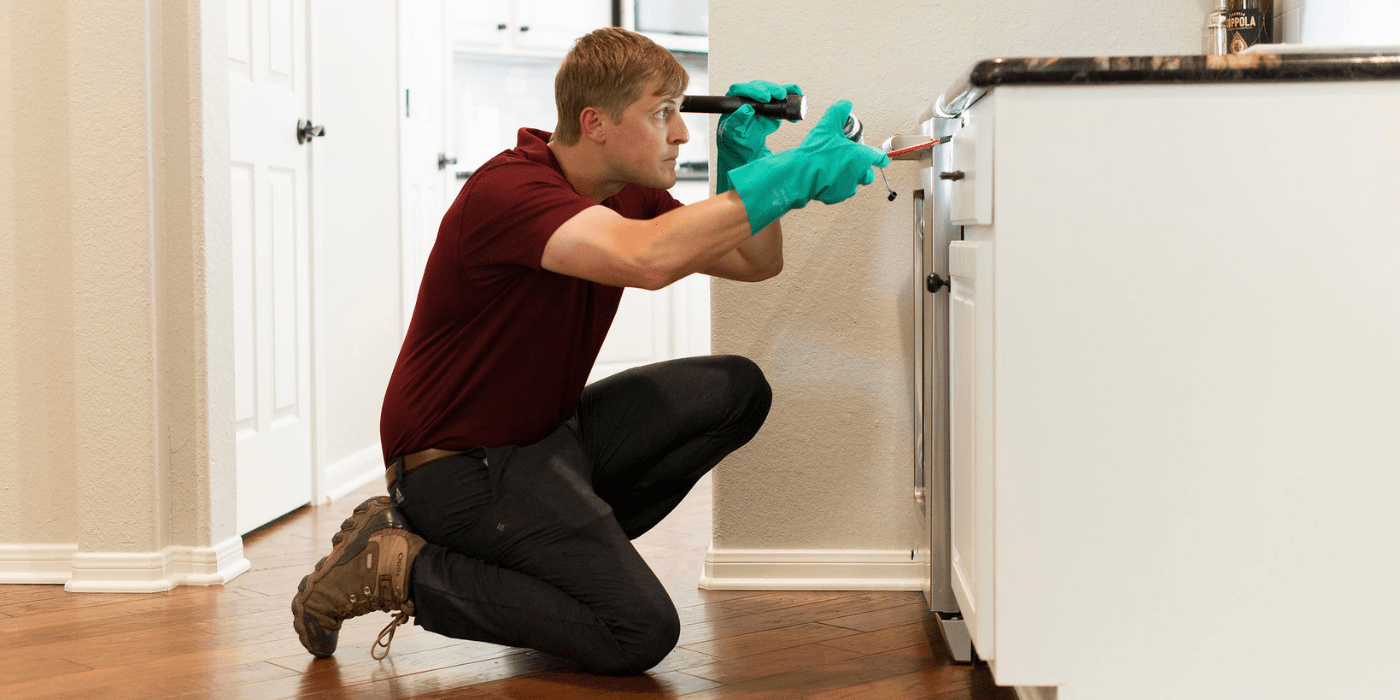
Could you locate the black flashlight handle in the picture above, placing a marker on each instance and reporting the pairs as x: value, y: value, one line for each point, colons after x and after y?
x: 791, y: 108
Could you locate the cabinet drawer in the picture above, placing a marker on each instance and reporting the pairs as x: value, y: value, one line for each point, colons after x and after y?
x: 970, y: 169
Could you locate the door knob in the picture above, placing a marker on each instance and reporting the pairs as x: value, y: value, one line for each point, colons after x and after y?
x: 935, y: 282
x: 444, y: 161
x: 307, y: 131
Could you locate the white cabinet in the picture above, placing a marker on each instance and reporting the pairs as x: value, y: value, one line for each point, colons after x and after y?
x: 1173, y: 392
x: 970, y: 476
x: 524, y: 26
x: 480, y: 24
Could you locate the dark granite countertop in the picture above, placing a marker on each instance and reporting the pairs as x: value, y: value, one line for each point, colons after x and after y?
x: 1108, y: 70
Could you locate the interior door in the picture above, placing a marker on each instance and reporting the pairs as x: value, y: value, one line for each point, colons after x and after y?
x: 425, y: 61
x: 271, y: 225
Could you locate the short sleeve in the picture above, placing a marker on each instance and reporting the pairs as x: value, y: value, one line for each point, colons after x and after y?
x: 516, y: 207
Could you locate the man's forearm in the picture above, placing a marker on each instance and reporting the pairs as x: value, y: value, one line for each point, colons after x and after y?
x: 755, y: 260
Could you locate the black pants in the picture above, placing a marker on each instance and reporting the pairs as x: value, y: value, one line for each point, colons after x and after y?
x: 529, y: 545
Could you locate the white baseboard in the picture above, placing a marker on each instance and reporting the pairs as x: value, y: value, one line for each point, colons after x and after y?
x: 811, y: 570
x: 348, y: 474
x: 1037, y: 692
x: 36, y: 563
x: 152, y: 572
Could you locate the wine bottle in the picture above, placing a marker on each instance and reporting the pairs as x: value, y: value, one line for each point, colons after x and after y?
x: 1249, y: 22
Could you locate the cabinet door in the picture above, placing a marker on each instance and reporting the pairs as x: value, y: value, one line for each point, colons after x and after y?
x: 555, y: 24
x: 970, y: 355
x: 480, y: 24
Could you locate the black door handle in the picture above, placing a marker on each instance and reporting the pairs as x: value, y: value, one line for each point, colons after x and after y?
x: 307, y: 131
x: 935, y: 283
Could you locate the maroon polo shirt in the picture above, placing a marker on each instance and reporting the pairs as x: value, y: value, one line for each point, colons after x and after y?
x: 499, y: 349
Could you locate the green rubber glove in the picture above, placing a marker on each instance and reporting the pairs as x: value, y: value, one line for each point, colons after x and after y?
x: 742, y: 134
x: 827, y: 167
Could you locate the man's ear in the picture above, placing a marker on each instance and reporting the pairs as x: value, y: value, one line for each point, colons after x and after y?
x: 593, y: 125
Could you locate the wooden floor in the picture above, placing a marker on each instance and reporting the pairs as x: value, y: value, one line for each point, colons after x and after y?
x: 236, y: 641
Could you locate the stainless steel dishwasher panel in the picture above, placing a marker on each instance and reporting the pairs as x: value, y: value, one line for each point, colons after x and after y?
x: 934, y: 231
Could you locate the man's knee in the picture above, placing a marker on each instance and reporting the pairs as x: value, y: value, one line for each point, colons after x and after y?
x: 644, y: 639
x: 753, y: 394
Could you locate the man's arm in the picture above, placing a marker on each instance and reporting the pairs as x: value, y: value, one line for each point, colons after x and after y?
x: 755, y: 260
x: 712, y: 236
x: 600, y: 245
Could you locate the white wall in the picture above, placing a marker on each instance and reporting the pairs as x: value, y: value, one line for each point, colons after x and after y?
x: 355, y: 170
x: 1337, y: 21
x: 831, y: 473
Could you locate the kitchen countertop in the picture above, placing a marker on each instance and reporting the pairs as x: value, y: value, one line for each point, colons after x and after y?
x: 1287, y: 66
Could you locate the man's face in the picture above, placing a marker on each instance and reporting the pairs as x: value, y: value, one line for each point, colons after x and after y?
x: 642, y: 148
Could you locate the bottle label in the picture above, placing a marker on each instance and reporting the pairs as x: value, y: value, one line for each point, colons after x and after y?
x: 1244, y: 27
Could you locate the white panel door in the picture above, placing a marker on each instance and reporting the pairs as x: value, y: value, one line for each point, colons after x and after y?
x: 970, y: 416
x: 271, y: 224
x: 424, y: 79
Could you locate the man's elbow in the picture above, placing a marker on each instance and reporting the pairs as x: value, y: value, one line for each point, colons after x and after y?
x: 653, y: 276
x: 768, y: 270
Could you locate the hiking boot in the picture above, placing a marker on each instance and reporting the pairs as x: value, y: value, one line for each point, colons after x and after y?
x: 366, y: 570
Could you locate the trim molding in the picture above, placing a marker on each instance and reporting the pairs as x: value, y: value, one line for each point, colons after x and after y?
x: 36, y: 563
x: 1037, y: 692
x: 112, y: 572
x: 349, y: 473
x: 152, y: 572
x: 811, y: 570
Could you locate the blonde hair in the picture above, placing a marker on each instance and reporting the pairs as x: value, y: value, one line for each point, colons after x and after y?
x: 608, y: 69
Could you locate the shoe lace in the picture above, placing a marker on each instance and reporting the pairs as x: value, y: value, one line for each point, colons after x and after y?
x: 386, y: 636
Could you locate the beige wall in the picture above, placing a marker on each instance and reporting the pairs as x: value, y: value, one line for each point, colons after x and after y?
x: 832, y: 469
x: 115, y: 379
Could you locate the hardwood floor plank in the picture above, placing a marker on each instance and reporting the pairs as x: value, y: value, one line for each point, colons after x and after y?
x: 733, y: 647
x: 134, y: 614
x: 681, y: 658
x: 22, y: 667
x: 814, y: 681
x: 452, y: 682
x: 775, y: 600
x: 821, y: 610
x: 67, y: 601
x: 353, y: 664
x: 884, y: 617
x: 12, y: 594
x: 748, y: 668
x: 887, y: 639
x: 920, y: 685
x: 554, y: 685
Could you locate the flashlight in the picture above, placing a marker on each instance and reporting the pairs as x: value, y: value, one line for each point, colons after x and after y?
x: 793, y: 108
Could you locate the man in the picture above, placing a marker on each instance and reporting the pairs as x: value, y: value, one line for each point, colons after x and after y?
x: 515, y: 489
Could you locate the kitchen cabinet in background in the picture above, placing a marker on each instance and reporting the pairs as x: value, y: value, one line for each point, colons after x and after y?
x: 524, y: 26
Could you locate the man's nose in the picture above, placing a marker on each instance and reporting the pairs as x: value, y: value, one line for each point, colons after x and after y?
x: 679, y: 134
